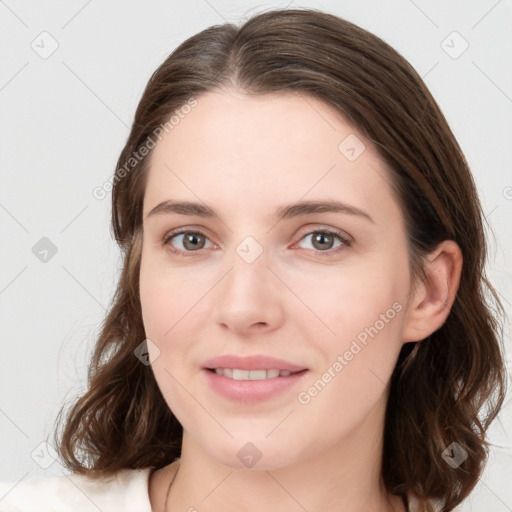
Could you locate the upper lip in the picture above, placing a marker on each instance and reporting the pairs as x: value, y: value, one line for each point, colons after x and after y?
x: 255, y: 362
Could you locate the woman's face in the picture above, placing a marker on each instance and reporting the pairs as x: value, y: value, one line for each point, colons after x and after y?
x: 259, y: 277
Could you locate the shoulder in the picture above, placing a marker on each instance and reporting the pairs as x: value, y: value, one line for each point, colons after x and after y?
x: 414, y: 505
x: 127, y: 490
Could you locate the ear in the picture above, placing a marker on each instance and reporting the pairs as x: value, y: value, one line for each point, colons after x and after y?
x: 433, y: 295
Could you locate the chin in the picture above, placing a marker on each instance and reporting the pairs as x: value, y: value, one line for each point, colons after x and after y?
x: 260, y: 454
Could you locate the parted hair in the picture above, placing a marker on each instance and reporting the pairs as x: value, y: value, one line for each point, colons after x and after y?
x: 445, y: 389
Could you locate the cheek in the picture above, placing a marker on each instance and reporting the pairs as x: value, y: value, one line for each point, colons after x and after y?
x: 373, y: 309
x: 164, y: 295
x: 352, y: 299
x: 164, y: 314
x: 173, y: 310
x: 364, y: 311
x: 155, y: 303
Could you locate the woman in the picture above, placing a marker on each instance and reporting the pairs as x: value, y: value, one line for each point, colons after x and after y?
x: 300, y: 323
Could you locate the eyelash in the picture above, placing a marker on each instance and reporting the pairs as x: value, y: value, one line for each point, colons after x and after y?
x: 338, y: 234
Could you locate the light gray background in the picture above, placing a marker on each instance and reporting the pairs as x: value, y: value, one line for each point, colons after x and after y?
x: 66, y: 117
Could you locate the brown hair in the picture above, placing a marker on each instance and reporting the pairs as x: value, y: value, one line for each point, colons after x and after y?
x: 446, y: 389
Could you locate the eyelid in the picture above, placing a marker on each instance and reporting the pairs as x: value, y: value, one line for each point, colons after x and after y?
x: 318, y: 228
x: 306, y: 231
x: 181, y: 231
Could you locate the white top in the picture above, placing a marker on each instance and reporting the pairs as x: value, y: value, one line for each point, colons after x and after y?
x: 127, y: 491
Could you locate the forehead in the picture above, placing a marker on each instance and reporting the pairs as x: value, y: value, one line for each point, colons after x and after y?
x: 265, y: 126
x: 262, y: 150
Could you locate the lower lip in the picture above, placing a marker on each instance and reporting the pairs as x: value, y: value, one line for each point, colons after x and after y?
x: 251, y: 391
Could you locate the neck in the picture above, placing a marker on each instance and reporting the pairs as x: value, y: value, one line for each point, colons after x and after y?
x: 346, y: 476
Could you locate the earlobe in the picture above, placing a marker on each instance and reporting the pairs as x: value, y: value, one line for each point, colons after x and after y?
x: 434, y: 294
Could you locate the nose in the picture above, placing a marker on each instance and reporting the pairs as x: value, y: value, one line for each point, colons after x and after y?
x: 249, y: 297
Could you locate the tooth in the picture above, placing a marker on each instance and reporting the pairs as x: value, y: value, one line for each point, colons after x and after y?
x: 257, y: 374
x: 237, y: 374
x: 240, y: 374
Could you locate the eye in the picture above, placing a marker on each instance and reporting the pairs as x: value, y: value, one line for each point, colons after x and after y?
x: 193, y: 241
x: 324, y: 239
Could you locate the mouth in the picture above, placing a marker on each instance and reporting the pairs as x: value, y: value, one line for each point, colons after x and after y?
x: 241, y: 374
x: 252, y: 387
x: 255, y: 364
x: 251, y: 379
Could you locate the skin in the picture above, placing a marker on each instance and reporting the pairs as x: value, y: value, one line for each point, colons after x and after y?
x: 244, y: 156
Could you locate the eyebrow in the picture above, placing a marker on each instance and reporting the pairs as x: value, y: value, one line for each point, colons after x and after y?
x: 283, y: 212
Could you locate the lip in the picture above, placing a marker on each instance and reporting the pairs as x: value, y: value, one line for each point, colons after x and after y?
x: 254, y: 362
x: 251, y: 391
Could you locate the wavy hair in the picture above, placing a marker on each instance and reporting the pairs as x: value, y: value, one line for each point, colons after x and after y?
x: 446, y: 389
